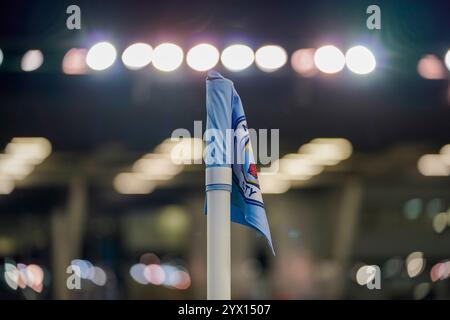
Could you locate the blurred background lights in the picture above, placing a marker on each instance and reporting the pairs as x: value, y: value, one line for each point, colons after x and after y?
x: 329, y: 59
x: 412, y: 208
x: 167, y: 57
x: 137, y: 273
x: 186, y: 150
x: 272, y: 184
x: 22, y: 276
x: 29, y: 149
x: 11, y: 275
x: 180, y: 280
x: 365, y: 275
x: 6, y: 186
x: 101, y: 56
x: 137, y: 56
x: 156, y: 167
x: 392, y: 267
x: 154, y: 274
x: 202, y: 57
x: 270, y: 58
x: 415, y: 263
x: 237, y: 57
x: 447, y: 59
x: 32, y: 60
x: 327, y: 151
x: 302, y: 62
x: 83, y: 266
x: 421, y: 290
x: 440, y: 271
x: 430, y: 67
x: 98, y: 276
x: 440, y: 222
x: 18, y: 161
x: 1, y: 57
x: 299, y: 165
x: 445, y: 153
x: 149, y: 258
x: 130, y: 183
x: 360, y: 60
x: 74, y: 62
x: 35, y: 277
x: 433, y: 165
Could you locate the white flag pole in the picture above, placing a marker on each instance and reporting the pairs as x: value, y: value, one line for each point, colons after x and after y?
x: 218, y: 234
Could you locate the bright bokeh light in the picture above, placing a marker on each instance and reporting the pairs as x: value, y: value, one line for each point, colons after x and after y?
x: 302, y: 62
x: 299, y: 165
x: 83, y: 267
x: 440, y: 222
x: 74, y: 61
x: 156, y: 167
x: 98, y: 276
x: 167, y: 57
x: 14, y: 168
x: 32, y: 150
x: 130, y: 183
x: 237, y: 57
x: 447, y: 59
x: 137, y: 273
x: 187, y: 151
x: 365, y: 275
x: 272, y: 184
x: 6, y: 186
x: 182, y: 150
x: 180, y: 280
x: 327, y: 151
x: 430, y: 67
x: 415, y: 263
x: 360, y: 60
x: 1, y: 57
x: 202, y: 57
x: 11, y: 276
x: 22, y: 276
x: 35, y: 277
x: 270, y: 58
x: 329, y: 59
x: 137, y: 56
x: 440, y: 271
x: 154, y: 274
x: 101, y: 56
x: 32, y: 60
x: 433, y: 165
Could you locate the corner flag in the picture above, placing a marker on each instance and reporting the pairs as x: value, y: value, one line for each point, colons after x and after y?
x: 225, y: 114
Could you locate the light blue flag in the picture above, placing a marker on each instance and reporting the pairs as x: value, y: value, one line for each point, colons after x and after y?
x: 225, y: 112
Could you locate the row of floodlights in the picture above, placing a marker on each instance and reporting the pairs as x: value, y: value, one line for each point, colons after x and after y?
x: 168, y: 57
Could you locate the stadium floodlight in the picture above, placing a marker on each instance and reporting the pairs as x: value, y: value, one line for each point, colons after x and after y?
x: 237, y: 57
x: 329, y: 59
x: 101, y: 56
x: 360, y: 60
x: 270, y: 58
x: 167, y: 57
x: 137, y: 56
x: 202, y: 57
x: 32, y: 60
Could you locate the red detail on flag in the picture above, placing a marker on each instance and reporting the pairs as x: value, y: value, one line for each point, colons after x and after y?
x: 252, y: 170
